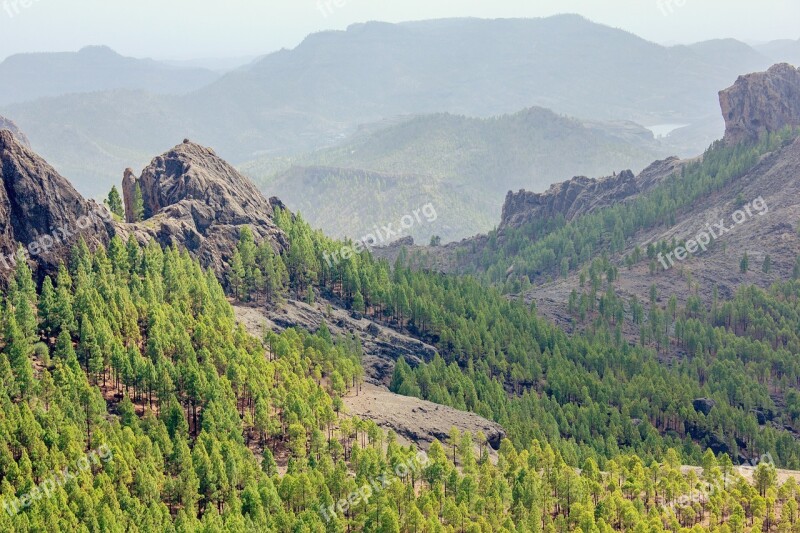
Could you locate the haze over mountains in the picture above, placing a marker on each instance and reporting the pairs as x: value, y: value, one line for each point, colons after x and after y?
x: 28, y: 77
x: 315, y: 95
x: 461, y: 165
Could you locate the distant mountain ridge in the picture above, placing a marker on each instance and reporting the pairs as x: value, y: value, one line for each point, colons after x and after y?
x: 28, y: 77
x: 755, y: 106
x: 462, y: 164
x: 317, y: 94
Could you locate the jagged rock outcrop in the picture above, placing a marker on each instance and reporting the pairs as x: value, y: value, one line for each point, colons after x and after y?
x: 581, y: 195
x: 8, y: 124
x: 128, y: 187
x: 196, y: 200
x: 761, y: 102
x: 41, y: 211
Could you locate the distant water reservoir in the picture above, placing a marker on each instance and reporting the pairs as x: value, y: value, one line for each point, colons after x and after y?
x: 663, y: 130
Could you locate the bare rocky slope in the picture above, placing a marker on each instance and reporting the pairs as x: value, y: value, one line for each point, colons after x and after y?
x: 756, y: 104
x: 416, y: 421
x: 194, y: 199
x: 774, y: 180
x: 41, y: 211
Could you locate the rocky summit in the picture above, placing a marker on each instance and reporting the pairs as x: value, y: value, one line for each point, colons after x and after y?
x: 582, y: 195
x: 761, y: 102
x: 41, y: 211
x: 193, y: 198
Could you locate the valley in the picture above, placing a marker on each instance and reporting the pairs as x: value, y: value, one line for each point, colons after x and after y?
x: 403, y: 277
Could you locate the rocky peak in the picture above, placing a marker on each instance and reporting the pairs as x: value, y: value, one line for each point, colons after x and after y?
x: 8, y: 124
x: 761, y: 102
x: 41, y: 211
x: 128, y: 188
x: 581, y: 195
x: 195, y: 199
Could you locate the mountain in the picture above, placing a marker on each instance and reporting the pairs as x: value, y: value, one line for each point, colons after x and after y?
x: 729, y: 54
x: 581, y: 196
x: 459, y: 164
x: 190, y: 198
x: 177, y: 411
x: 747, y: 183
x: 41, y: 211
x: 193, y: 199
x: 314, y: 96
x: 28, y: 77
x: 781, y: 50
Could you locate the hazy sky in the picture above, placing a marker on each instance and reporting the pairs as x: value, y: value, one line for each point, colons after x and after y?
x: 183, y: 29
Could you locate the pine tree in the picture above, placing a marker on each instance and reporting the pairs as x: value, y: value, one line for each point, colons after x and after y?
x: 766, y: 266
x: 138, y: 204
x: 47, y: 306
x: 236, y: 275
x: 19, y: 350
x: 114, y: 203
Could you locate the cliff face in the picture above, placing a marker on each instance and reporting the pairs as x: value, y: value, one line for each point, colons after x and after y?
x: 761, y: 102
x: 8, y: 124
x: 581, y: 195
x: 41, y: 211
x: 196, y: 200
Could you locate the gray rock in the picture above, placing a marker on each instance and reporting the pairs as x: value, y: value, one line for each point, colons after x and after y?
x: 196, y: 200
x: 41, y: 211
x: 760, y: 103
x: 582, y: 195
x: 703, y: 405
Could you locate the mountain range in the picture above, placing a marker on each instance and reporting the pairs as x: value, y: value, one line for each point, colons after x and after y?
x: 29, y: 77
x: 461, y: 165
x: 237, y: 380
x: 294, y: 101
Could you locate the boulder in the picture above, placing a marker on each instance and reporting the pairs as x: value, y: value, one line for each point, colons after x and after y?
x: 703, y: 405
